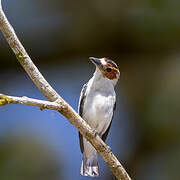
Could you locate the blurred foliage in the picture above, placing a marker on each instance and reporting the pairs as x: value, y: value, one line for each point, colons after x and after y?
x: 70, y: 28
x: 142, y: 37
x: 25, y: 158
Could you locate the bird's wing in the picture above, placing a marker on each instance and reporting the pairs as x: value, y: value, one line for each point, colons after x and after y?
x: 80, y: 111
x: 104, y: 136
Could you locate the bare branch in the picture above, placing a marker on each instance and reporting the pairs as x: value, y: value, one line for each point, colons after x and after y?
x: 26, y: 62
x: 4, y: 100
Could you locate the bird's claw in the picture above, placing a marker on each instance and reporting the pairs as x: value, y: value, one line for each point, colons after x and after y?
x: 109, y: 149
x: 95, y: 132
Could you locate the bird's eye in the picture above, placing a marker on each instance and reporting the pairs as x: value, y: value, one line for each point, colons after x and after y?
x: 108, y: 69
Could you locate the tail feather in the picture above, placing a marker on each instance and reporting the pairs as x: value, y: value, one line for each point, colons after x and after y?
x: 89, y: 166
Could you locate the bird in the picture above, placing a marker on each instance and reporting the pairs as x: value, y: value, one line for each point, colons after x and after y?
x: 97, y: 103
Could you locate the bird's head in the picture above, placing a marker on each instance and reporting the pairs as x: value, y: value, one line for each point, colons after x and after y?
x: 107, y: 67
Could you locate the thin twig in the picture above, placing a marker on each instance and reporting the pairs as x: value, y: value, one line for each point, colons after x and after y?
x: 26, y: 62
x: 4, y: 100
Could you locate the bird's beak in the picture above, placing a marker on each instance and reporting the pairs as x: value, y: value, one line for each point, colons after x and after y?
x: 96, y: 61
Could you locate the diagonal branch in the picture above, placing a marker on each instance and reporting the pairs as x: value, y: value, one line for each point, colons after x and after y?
x: 66, y: 110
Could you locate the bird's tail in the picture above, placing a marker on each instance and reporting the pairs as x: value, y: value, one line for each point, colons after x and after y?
x: 89, y: 166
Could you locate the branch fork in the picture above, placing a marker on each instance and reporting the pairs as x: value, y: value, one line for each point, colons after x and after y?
x: 55, y: 100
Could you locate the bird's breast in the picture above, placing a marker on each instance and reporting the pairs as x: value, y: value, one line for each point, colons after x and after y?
x: 98, y: 111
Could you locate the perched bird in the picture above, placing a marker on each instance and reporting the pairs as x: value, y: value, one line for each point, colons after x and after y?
x: 96, y: 106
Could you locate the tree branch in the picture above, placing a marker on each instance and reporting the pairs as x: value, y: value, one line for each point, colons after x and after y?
x: 66, y: 110
x: 4, y: 100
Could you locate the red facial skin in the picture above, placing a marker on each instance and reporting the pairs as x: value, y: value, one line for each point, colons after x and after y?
x: 108, y: 69
x: 112, y: 74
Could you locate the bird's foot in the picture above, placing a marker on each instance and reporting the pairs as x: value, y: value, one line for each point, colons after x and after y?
x: 109, y: 149
x: 95, y: 132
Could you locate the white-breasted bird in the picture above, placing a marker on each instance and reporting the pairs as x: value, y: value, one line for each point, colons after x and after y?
x: 96, y: 106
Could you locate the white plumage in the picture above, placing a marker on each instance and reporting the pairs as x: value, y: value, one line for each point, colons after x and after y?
x: 96, y: 106
x: 99, y: 102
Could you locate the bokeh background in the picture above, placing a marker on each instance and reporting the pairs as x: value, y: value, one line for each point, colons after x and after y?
x: 59, y: 35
